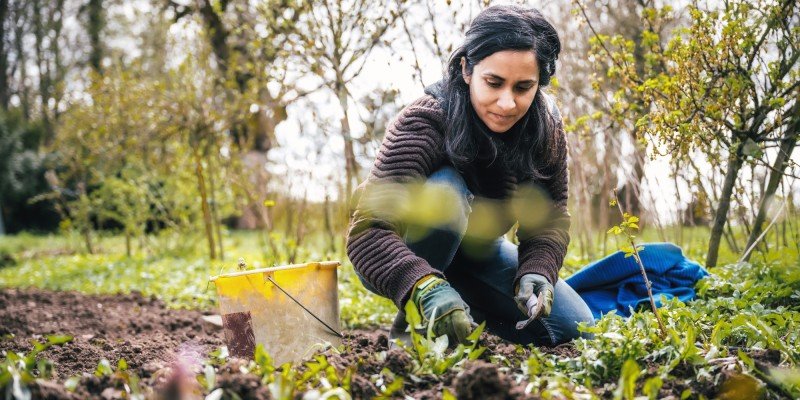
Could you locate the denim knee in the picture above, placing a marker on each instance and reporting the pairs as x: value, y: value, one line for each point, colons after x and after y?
x: 569, y: 310
x: 567, y: 328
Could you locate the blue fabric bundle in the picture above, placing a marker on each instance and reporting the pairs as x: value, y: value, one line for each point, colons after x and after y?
x: 616, y: 283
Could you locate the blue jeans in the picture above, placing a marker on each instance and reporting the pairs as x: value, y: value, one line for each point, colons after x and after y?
x: 486, y: 284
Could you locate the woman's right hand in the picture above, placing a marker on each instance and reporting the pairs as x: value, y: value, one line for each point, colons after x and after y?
x: 434, y: 295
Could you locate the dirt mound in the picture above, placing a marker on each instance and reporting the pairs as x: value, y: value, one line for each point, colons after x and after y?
x: 482, y: 381
x: 141, y: 330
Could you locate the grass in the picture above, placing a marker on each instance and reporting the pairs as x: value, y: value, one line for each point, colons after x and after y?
x: 58, y: 262
x: 180, y: 277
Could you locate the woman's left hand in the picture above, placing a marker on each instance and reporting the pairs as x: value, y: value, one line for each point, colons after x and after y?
x: 538, y: 287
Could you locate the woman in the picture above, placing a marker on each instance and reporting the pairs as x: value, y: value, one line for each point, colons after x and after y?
x: 492, y: 141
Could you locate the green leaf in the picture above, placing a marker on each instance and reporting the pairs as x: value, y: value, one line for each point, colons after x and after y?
x: 216, y: 394
x: 430, y: 335
x: 72, y: 383
x: 262, y: 358
x: 476, y: 334
x: 652, y: 386
x: 19, y: 391
x: 103, y: 368
x: 626, y: 388
x: 210, y: 377
x: 58, y: 339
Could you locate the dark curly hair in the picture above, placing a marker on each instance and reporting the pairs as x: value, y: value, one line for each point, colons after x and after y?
x: 530, y: 146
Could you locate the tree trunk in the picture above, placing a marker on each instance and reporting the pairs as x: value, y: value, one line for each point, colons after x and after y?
x: 87, y: 238
x: 96, y: 22
x: 328, y: 225
x: 201, y: 186
x: 22, y: 62
x: 214, y: 214
x: 679, y: 216
x: 787, y: 146
x: 3, y: 226
x: 4, y: 92
x: 41, y: 64
x: 721, y: 215
x: 127, y: 243
x: 351, y: 167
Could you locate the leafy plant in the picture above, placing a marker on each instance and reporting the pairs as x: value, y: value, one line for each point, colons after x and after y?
x: 126, y: 381
x: 20, y: 370
x: 626, y: 388
x: 629, y: 225
x: 430, y: 353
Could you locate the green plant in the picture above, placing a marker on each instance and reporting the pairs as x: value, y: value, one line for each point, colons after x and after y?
x: 20, y: 370
x: 629, y: 225
x: 430, y: 353
x: 125, y: 381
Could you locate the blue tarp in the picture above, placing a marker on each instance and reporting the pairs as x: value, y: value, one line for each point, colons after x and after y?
x: 616, y: 283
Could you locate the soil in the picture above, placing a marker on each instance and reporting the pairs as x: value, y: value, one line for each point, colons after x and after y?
x: 165, y: 348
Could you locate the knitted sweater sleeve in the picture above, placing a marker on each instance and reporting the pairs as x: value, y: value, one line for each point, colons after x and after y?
x: 411, y: 151
x: 542, y: 249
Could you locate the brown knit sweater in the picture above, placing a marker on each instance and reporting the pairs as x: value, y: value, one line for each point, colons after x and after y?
x: 412, y: 149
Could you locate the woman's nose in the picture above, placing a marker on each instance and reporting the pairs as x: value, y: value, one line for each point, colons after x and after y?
x: 506, y: 102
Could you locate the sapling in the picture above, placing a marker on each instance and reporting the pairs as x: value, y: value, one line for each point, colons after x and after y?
x: 628, y: 225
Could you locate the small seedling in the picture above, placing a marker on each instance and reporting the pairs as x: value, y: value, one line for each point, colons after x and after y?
x: 626, y: 228
x: 19, y: 370
x: 430, y: 352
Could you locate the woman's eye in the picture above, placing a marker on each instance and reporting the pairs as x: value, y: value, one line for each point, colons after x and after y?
x: 494, y: 84
x: 524, y: 88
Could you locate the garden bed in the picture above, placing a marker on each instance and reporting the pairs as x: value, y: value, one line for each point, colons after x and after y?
x: 170, y: 353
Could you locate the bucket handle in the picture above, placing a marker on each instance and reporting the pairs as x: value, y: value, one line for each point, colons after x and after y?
x: 335, y: 332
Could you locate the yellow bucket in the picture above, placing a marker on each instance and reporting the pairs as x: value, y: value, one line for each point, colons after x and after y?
x: 291, y: 310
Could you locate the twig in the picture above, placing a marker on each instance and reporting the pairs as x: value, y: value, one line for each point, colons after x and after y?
x: 764, y: 233
x: 644, y: 273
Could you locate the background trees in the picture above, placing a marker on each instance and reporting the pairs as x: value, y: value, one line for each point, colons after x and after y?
x: 724, y: 86
x: 187, y: 118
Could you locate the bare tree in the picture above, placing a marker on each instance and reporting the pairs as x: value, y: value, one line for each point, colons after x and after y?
x: 338, y: 36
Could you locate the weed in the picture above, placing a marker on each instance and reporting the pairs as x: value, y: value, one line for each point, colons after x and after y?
x: 430, y: 354
x: 21, y: 370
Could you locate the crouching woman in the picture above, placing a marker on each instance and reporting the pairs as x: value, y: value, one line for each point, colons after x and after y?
x: 484, y: 149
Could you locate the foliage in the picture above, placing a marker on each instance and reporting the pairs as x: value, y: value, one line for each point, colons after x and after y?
x: 724, y: 85
x: 430, y: 353
x: 181, y: 282
x: 125, y: 381
x: 626, y: 228
x: 316, y: 378
x: 22, y: 174
x: 359, y: 307
x: 18, y: 371
x: 734, y: 312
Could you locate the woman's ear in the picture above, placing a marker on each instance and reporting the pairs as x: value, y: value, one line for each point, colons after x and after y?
x: 464, y: 74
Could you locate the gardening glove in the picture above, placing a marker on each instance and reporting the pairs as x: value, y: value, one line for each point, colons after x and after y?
x: 534, y: 298
x: 452, y: 313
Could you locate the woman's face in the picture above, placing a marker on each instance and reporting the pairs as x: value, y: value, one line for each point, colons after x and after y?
x: 502, y: 87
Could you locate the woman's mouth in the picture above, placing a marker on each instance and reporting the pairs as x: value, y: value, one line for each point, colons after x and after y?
x: 501, y: 118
